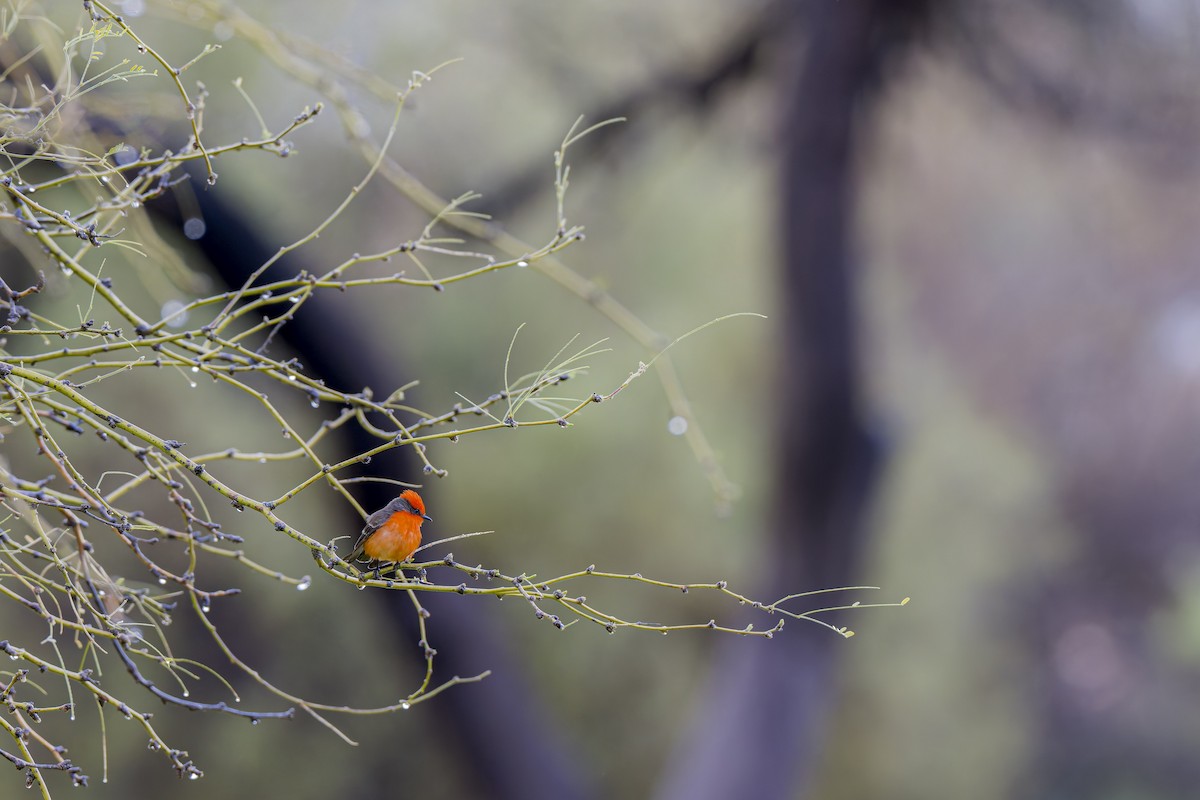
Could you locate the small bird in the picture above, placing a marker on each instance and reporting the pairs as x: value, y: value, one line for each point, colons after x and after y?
x: 393, y: 533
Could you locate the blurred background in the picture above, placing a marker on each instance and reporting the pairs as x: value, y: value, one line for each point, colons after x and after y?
x: 973, y: 227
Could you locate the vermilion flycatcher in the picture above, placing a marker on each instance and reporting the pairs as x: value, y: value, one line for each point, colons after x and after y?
x: 393, y: 533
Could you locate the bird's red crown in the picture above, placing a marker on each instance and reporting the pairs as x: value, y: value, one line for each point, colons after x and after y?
x: 414, y: 500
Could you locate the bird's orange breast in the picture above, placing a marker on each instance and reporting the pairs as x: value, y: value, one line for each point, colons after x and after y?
x: 395, y: 540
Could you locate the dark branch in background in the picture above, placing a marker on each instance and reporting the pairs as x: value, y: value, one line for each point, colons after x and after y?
x: 1085, y: 84
x: 499, y: 724
x: 693, y: 88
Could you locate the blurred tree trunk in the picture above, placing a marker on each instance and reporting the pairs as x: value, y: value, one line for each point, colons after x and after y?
x: 760, y: 732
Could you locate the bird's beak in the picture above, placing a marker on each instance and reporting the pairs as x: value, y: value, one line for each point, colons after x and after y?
x: 427, y: 518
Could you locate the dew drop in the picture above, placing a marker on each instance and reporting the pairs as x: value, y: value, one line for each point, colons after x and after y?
x: 194, y: 228
x: 677, y: 426
x: 405, y: 706
x: 179, y: 317
x: 295, y: 299
x: 206, y: 608
x: 193, y: 777
x: 304, y: 583
x: 522, y: 263
x: 162, y: 581
x: 195, y: 369
x: 254, y: 721
x: 315, y: 403
x: 291, y: 377
x: 126, y: 155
